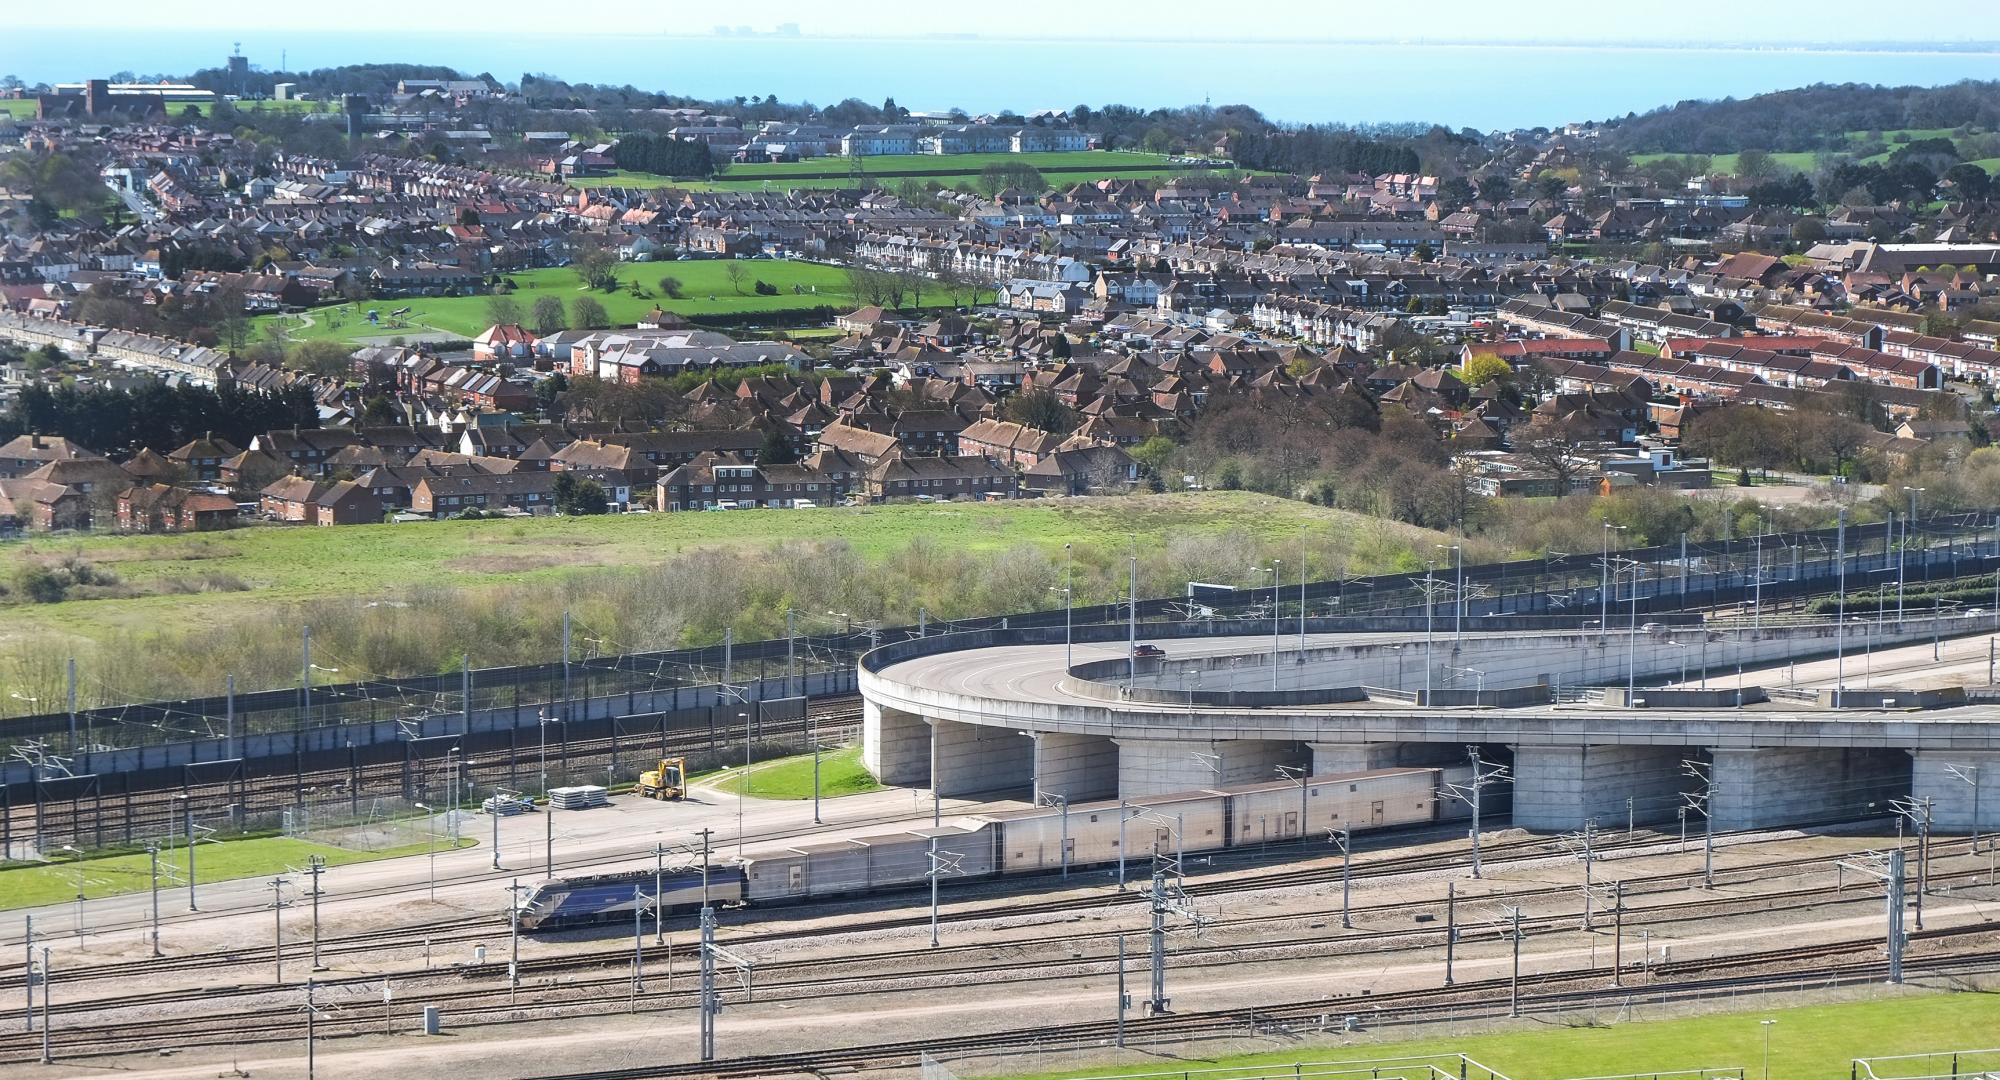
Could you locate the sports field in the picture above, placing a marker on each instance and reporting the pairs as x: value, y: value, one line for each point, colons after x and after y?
x: 706, y: 290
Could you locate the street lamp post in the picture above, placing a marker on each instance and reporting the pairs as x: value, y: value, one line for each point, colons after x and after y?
x: 1276, y: 622
x: 1766, y: 1025
x: 1604, y: 581
x: 1457, y: 595
x: 1903, y: 549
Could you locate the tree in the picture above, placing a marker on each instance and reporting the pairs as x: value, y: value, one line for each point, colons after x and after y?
x: 586, y: 313
x: 1041, y: 410
x: 503, y: 310
x: 1002, y: 175
x: 595, y: 264
x: 1484, y: 368
x: 672, y: 288
x: 549, y: 316
x: 776, y: 449
x: 734, y: 271
x: 1754, y: 165
x: 575, y: 496
x: 1549, y: 447
x: 329, y: 358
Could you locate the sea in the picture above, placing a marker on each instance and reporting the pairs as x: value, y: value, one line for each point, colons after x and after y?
x: 1489, y: 87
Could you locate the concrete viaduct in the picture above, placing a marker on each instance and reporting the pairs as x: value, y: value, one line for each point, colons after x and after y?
x: 998, y: 709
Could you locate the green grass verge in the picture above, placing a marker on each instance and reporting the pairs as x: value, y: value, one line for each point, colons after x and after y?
x: 1807, y: 1043
x: 34, y: 885
x: 840, y: 773
x: 280, y: 565
x: 708, y: 291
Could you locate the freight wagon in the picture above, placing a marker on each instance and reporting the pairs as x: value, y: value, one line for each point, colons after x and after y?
x: 1019, y: 842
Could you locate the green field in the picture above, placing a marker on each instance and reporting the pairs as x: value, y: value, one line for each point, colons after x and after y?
x: 1807, y: 1043
x: 840, y: 773
x: 278, y: 565
x: 33, y: 885
x: 1804, y: 161
x: 1807, y: 161
x: 708, y: 292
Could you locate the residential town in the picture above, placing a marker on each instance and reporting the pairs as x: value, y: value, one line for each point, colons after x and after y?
x: 1544, y: 336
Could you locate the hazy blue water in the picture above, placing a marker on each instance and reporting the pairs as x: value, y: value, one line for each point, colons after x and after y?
x: 1476, y: 86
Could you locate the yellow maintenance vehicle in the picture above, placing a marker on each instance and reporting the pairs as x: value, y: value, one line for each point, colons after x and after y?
x: 667, y: 781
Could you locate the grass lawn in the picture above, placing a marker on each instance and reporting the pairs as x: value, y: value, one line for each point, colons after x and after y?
x: 1799, y: 161
x: 283, y: 565
x: 708, y: 292
x: 33, y: 885
x: 840, y: 773
x: 1807, y: 1043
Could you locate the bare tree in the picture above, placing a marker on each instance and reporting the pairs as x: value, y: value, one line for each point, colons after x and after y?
x: 1549, y: 448
x: 733, y: 270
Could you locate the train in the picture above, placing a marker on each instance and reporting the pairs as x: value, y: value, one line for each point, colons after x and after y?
x: 1012, y: 843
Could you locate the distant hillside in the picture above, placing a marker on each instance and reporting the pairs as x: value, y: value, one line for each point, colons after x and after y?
x: 1811, y: 118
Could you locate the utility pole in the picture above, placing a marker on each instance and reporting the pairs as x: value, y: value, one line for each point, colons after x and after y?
x: 565, y: 665
x: 48, y: 990
x: 1890, y: 870
x: 659, y: 890
x: 1450, y: 927
x: 1514, y: 979
x: 305, y: 678
x: 312, y: 1015
x: 639, y: 943
x: 707, y: 1006
x: 315, y: 866
x: 28, y: 979
x: 549, y: 840
x: 1132, y: 622
x: 1840, y: 610
x: 1702, y: 801
x: 1124, y: 998
x: 705, y: 834
x: 153, y: 858
x: 1618, y: 934
x: 942, y: 863
x: 514, y: 890
x: 278, y: 906
x: 1343, y: 837
x: 1470, y: 794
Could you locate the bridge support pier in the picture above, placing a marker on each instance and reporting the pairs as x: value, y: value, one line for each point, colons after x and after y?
x: 1160, y: 767
x: 1558, y: 788
x: 1947, y: 778
x: 1787, y: 785
x: 1076, y: 767
x: 967, y: 758
x: 895, y: 746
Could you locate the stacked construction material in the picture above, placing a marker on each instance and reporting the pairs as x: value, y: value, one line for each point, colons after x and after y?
x: 581, y: 797
x: 506, y: 805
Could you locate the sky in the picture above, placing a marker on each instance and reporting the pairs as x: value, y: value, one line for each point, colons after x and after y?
x: 1762, y: 21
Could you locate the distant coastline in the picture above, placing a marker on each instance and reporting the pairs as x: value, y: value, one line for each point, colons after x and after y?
x: 1303, y: 80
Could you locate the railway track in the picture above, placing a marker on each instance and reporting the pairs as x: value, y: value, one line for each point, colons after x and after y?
x: 102, y: 818
x: 918, y: 964
x: 802, y: 980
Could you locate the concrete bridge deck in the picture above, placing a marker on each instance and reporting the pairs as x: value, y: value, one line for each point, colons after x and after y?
x: 979, y: 714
